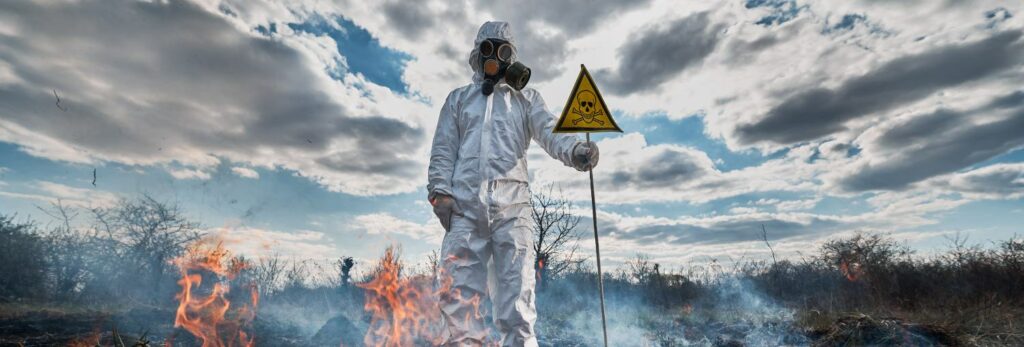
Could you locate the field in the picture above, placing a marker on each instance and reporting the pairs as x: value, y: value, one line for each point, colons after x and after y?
x: 143, y: 275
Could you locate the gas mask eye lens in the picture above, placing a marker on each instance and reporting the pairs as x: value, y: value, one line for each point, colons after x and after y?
x: 486, y: 48
x: 505, y: 52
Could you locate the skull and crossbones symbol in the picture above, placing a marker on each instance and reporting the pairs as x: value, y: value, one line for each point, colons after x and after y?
x: 586, y: 108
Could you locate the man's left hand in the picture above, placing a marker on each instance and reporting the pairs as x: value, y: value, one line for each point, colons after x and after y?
x: 585, y: 156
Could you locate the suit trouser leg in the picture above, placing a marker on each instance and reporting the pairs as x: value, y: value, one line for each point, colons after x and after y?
x: 464, y: 256
x: 515, y: 311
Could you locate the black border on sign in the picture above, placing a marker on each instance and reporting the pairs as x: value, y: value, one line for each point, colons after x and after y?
x: 572, y: 95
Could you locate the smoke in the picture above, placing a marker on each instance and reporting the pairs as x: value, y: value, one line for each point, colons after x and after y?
x: 729, y: 311
x: 750, y: 317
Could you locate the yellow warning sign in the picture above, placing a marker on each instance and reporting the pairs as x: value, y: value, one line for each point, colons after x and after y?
x: 585, y: 110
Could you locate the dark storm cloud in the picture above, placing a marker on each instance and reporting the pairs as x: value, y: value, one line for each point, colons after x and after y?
x: 411, y: 18
x: 138, y: 77
x: 658, y: 54
x: 545, y: 55
x: 818, y: 112
x: 742, y: 52
x: 939, y: 143
x: 663, y: 170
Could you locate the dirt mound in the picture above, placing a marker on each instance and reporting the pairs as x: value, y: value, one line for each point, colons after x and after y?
x: 339, y: 330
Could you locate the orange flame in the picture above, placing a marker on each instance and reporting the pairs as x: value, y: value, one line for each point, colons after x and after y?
x: 540, y: 268
x: 88, y: 341
x: 852, y: 270
x: 209, y: 317
x: 405, y: 311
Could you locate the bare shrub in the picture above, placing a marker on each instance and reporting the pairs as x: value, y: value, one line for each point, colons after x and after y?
x: 22, y: 260
x: 555, y: 233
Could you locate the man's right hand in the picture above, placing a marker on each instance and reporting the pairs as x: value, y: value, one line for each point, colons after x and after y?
x: 444, y: 208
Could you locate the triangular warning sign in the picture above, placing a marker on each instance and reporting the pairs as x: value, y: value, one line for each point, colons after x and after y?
x: 585, y: 110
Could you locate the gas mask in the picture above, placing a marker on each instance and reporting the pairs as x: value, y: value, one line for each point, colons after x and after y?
x: 496, y: 63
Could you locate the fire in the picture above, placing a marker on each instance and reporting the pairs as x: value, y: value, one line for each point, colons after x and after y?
x: 540, y: 268
x: 88, y: 341
x: 852, y: 270
x: 210, y: 317
x: 405, y: 311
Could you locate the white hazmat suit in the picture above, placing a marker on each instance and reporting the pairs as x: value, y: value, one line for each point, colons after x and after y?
x: 477, y: 181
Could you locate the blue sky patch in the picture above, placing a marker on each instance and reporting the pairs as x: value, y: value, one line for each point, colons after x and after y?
x: 781, y: 10
x: 846, y: 23
x: 363, y: 53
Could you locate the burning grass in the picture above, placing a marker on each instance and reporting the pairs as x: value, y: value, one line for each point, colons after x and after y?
x: 208, y: 313
x: 404, y: 311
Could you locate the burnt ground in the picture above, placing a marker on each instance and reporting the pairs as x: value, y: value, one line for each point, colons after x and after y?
x: 152, y: 327
x: 140, y: 326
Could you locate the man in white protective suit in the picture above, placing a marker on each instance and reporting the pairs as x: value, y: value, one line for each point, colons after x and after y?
x: 477, y: 183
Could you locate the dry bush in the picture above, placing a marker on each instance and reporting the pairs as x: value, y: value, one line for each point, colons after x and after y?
x: 22, y: 261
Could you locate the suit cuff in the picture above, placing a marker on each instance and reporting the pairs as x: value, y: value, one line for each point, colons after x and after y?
x: 439, y: 190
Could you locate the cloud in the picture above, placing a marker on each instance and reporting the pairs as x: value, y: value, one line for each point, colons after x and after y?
x: 574, y: 17
x: 742, y: 51
x: 189, y: 174
x: 245, y: 172
x: 51, y: 192
x: 788, y: 205
x: 815, y: 112
x: 633, y: 172
x: 386, y: 224
x: 914, y: 148
x: 662, y: 165
x: 730, y: 228
x: 684, y: 239
x: 204, y: 92
x: 410, y: 18
x: 999, y: 181
x: 797, y: 205
x: 660, y: 53
x: 256, y: 242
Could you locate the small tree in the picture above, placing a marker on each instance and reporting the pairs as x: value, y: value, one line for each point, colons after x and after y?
x: 640, y: 269
x: 555, y: 233
x: 152, y: 234
x: 862, y: 254
x: 70, y: 253
x: 267, y: 274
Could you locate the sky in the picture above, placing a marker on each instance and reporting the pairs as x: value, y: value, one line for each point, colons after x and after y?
x: 302, y: 128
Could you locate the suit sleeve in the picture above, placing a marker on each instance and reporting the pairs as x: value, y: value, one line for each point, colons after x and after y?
x: 542, y: 123
x: 445, y: 149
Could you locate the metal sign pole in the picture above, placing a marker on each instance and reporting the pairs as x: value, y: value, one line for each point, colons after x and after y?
x: 597, y: 249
